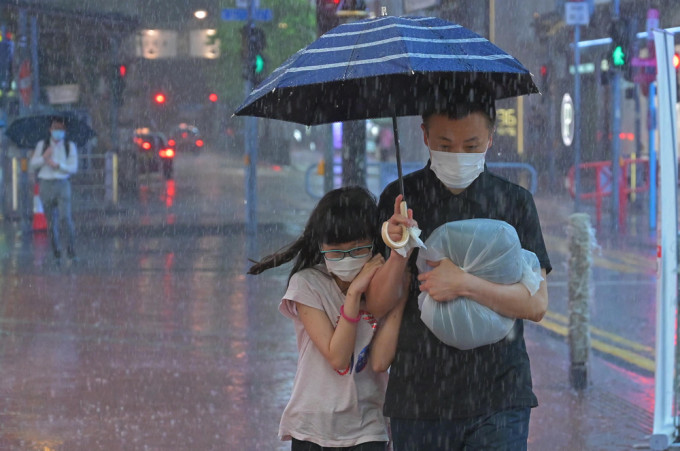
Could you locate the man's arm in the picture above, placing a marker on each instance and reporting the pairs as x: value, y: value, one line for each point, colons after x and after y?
x: 447, y: 281
x: 384, y: 345
x: 387, y: 285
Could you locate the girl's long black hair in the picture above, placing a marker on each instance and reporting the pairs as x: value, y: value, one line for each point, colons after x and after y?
x: 342, y: 215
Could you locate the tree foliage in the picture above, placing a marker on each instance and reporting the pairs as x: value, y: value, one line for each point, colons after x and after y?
x: 293, y: 27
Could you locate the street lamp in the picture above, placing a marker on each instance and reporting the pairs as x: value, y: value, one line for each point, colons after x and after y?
x: 200, y: 14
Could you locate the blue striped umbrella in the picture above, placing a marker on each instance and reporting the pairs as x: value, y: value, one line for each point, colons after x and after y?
x: 385, y: 67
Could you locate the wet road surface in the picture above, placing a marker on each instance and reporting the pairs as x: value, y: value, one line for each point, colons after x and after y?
x: 156, y: 340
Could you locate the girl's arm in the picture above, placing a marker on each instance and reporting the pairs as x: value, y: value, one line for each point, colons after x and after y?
x: 384, y: 344
x: 336, y: 343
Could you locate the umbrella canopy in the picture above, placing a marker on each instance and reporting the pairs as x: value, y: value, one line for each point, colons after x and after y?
x: 27, y: 131
x: 385, y: 67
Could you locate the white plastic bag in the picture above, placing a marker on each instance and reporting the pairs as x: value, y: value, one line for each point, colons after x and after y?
x: 486, y: 248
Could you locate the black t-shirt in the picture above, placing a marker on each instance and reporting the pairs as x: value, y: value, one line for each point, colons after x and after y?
x: 428, y: 379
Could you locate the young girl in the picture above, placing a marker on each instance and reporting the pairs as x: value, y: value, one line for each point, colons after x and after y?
x: 339, y: 385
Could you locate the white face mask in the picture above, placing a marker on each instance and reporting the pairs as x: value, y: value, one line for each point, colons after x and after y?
x: 58, y: 135
x: 347, y: 268
x: 457, y: 170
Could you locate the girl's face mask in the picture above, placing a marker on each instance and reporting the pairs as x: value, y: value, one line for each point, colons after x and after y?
x: 347, y: 263
x: 347, y: 268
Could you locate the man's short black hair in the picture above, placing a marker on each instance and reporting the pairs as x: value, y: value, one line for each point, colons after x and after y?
x: 475, y: 100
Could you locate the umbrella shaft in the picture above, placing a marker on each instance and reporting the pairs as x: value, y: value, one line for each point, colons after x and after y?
x: 396, y: 145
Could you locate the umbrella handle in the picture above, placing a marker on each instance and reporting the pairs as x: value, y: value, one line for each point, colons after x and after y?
x: 404, y: 231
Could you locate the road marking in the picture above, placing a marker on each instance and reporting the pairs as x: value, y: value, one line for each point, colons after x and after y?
x: 643, y: 362
x: 615, y: 260
x: 563, y: 319
x: 604, y: 283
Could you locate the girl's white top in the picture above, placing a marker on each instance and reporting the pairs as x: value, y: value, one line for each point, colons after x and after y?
x: 326, y: 407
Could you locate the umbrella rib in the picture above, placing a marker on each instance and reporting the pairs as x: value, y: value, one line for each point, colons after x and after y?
x: 396, y: 39
x: 393, y: 57
x: 376, y: 29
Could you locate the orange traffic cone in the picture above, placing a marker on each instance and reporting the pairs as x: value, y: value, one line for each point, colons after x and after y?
x: 39, y: 219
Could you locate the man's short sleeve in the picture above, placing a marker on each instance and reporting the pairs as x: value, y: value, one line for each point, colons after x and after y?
x: 530, y: 233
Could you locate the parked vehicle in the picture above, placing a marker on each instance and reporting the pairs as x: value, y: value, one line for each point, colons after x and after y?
x: 154, y: 153
x: 185, y: 138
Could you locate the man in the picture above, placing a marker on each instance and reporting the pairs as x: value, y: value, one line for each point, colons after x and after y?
x: 439, y: 397
x: 55, y: 164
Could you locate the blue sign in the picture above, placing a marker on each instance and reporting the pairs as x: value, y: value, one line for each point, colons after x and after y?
x: 230, y: 14
x: 263, y: 15
x: 241, y: 14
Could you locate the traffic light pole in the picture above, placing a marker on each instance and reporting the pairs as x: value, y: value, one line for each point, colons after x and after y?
x: 250, y: 156
x: 114, y: 102
x: 616, y: 141
x: 577, y: 119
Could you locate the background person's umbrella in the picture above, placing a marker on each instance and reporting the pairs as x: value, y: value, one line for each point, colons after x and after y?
x: 386, y: 67
x: 27, y: 131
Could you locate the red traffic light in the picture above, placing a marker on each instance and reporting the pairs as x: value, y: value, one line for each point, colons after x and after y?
x: 212, y: 97
x: 122, y: 70
x: 676, y: 60
x: 159, y: 98
x: 544, y: 70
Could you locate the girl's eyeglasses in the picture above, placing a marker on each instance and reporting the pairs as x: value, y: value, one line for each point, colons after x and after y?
x: 335, y: 255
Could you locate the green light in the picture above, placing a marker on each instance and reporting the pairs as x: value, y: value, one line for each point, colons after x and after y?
x: 618, y: 56
x: 259, y: 64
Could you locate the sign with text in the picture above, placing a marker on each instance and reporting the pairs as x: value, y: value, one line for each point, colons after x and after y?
x: 506, y: 122
x: 576, y: 13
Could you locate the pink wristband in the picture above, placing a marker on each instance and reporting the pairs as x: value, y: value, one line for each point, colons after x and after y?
x: 351, y: 320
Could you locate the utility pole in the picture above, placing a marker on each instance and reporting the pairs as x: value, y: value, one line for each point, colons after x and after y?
x: 616, y: 130
x: 250, y: 149
x: 21, y: 57
x: 354, y: 132
x: 34, y: 62
x: 115, y: 107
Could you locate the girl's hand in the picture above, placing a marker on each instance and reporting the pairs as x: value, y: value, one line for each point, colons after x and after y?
x: 361, y: 281
x: 397, y: 220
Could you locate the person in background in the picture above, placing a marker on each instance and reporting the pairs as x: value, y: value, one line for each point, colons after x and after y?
x: 385, y: 143
x: 439, y: 397
x: 339, y: 386
x: 56, y: 160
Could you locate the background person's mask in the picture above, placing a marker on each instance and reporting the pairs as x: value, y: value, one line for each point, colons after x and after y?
x: 457, y: 170
x: 58, y: 135
x: 347, y: 268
